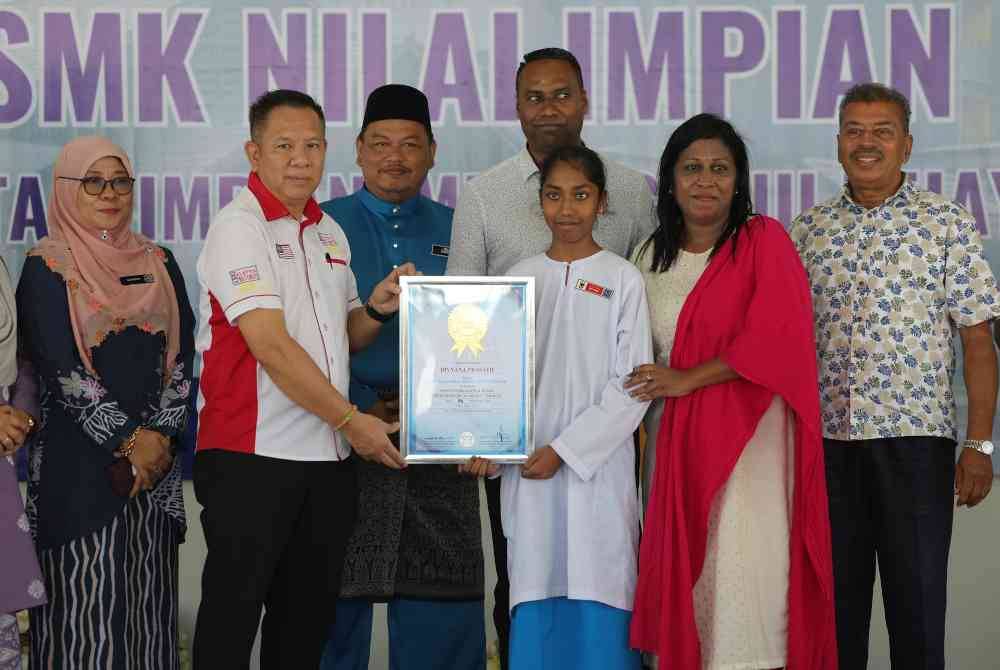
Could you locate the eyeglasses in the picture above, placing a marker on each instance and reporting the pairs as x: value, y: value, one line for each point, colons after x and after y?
x: 95, y: 185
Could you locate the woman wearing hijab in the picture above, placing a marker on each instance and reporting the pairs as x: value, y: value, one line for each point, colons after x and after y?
x: 106, y: 323
x: 20, y: 582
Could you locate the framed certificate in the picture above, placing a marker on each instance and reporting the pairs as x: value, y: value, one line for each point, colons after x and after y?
x: 467, y: 368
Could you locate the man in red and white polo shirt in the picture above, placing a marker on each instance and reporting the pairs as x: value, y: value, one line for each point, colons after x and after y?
x: 279, y: 315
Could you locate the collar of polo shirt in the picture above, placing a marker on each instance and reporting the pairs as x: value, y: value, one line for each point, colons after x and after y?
x: 384, y: 208
x: 274, y: 209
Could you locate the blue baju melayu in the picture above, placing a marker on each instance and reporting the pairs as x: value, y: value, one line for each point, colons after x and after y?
x: 417, y: 542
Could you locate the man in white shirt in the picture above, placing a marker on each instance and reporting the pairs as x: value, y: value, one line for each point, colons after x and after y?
x: 498, y: 219
x: 279, y: 313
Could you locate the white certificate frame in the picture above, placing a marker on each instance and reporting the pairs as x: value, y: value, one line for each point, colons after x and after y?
x: 420, y: 444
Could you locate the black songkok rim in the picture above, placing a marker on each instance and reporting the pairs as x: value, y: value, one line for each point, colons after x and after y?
x: 397, y: 101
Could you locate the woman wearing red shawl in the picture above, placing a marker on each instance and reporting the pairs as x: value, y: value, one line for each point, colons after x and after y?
x: 105, y: 320
x: 734, y: 566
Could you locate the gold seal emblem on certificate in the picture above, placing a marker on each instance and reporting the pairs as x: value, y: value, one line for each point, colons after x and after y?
x: 467, y: 325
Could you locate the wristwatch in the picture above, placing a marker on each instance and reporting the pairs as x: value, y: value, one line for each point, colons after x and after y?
x: 982, y: 446
x: 375, y: 314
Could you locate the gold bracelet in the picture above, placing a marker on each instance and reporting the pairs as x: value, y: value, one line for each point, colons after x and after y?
x: 130, y: 443
x: 346, y: 418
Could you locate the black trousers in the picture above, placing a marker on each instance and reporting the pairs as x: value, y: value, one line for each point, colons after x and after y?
x: 276, y: 532
x: 891, y: 500
x: 501, y: 593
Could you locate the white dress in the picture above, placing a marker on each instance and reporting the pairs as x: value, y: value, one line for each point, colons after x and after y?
x: 576, y: 535
x: 740, y: 599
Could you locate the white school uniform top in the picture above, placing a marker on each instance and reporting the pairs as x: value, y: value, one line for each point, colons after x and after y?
x: 576, y: 534
x: 256, y: 256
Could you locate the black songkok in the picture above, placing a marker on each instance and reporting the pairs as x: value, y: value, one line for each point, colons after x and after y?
x: 397, y: 101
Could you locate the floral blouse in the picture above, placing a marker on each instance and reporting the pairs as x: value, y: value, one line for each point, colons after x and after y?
x: 85, y: 417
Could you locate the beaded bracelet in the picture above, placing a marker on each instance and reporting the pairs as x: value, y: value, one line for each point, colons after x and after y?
x: 347, y: 417
x: 129, y: 447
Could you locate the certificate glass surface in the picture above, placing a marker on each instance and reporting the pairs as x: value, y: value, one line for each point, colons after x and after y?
x: 467, y: 373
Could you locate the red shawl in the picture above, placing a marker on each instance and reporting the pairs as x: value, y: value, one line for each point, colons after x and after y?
x: 754, y: 311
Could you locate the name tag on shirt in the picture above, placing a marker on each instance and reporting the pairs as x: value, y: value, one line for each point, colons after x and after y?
x: 594, y: 289
x: 129, y: 280
x: 439, y: 250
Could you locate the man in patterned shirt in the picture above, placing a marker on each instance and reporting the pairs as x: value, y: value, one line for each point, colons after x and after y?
x: 895, y: 271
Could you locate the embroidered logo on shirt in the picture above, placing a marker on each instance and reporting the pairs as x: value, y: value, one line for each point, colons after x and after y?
x: 244, y: 275
x: 596, y: 289
x: 333, y: 254
x: 439, y: 250
x: 285, y: 251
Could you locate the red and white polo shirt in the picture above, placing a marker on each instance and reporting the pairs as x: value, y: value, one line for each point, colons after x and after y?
x: 257, y: 256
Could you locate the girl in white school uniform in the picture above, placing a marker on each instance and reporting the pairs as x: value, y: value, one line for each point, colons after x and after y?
x: 571, y: 512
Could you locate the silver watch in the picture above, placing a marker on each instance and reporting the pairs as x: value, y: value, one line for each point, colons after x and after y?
x: 983, y: 446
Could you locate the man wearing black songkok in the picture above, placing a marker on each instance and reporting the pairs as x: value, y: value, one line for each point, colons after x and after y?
x: 416, y: 545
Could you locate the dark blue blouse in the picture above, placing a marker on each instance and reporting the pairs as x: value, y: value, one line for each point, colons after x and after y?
x: 85, y: 418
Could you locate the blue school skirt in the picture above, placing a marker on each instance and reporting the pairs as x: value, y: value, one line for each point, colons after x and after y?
x: 558, y: 633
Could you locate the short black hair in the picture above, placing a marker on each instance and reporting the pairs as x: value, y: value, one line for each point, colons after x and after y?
x: 282, y: 97
x: 874, y: 92
x: 583, y: 159
x: 549, y: 53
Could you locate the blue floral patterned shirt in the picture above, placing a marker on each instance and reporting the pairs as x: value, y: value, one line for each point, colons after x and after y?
x: 890, y: 286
